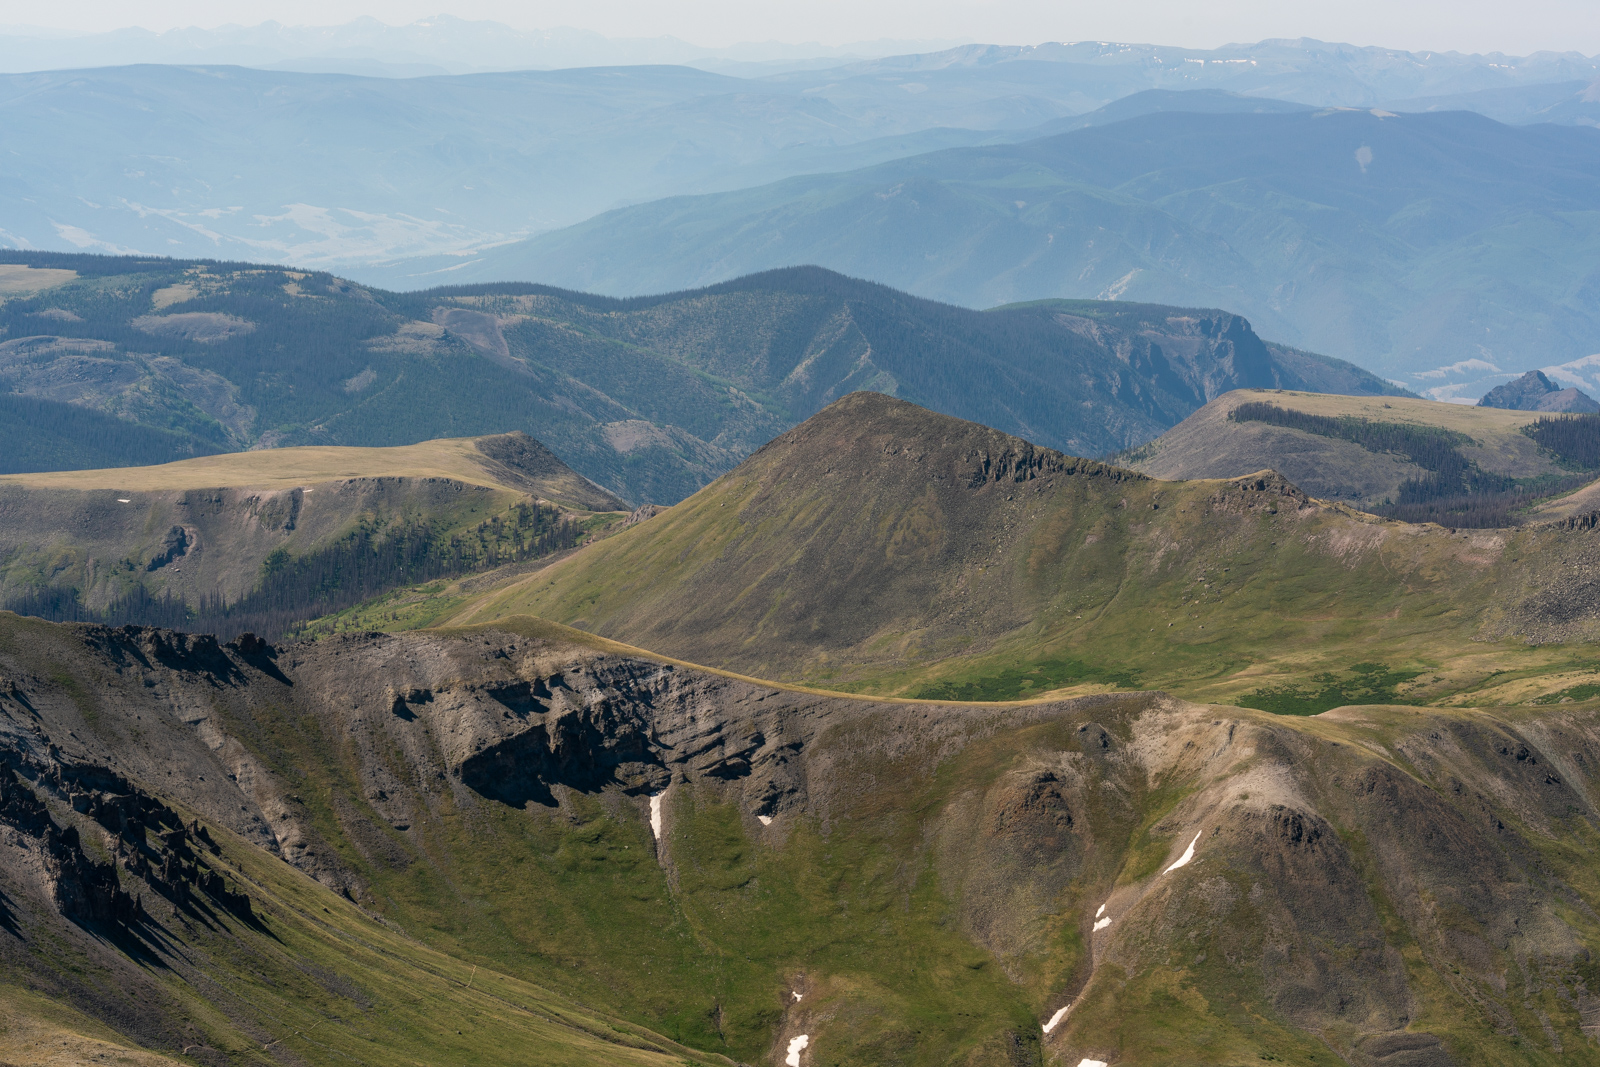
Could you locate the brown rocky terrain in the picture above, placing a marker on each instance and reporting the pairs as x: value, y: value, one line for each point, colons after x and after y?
x: 900, y: 882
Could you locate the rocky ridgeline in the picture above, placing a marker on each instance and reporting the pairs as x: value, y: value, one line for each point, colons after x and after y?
x: 1535, y: 392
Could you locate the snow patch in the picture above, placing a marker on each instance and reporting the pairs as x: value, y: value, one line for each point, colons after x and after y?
x: 123, y: 500
x: 1087, y: 1062
x: 1100, y: 912
x: 1188, y: 854
x: 795, y: 995
x: 766, y: 820
x: 1055, y: 1020
x: 655, y: 815
x: 1102, y: 924
x: 798, y: 1044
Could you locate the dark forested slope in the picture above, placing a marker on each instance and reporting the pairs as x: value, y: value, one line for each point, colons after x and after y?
x: 651, y: 397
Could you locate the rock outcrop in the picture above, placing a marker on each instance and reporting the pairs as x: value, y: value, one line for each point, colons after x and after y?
x: 1535, y: 392
x: 1345, y: 881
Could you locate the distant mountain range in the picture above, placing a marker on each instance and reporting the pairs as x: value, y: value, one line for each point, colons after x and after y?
x: 323, y: 168
x: 1404, y: 242
x: 440, y: 44
x: 107, y: 361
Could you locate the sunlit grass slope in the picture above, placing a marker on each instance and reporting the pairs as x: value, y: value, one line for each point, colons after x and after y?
x: 1211, y: 443
x: 885, y: 549
x: 458, y: 459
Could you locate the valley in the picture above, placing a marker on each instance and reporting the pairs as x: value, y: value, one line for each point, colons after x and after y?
x: 174, y: 145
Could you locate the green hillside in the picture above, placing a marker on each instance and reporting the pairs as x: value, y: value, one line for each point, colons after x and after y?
x: 375, y: 848
x: 265, y: 541
x: 886, y: 549
x: 652, y: 398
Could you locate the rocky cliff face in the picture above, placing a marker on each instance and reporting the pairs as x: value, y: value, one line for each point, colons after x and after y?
x: 1374, y: 886
x: 1535, y: 392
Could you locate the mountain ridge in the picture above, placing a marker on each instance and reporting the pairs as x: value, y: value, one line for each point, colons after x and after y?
x: 266, y: 541
x: 871, y: 549
x: 651, y: 397
x: 1401, y: 264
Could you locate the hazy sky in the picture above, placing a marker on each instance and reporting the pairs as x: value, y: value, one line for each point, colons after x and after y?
x: 1512, y: 26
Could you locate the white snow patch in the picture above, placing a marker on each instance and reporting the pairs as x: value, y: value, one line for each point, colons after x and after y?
x: 1103, y: 923
x: 766, y: 820
x: 1055, y: 1020
x: 1101, y: 912
x: 655, y: 815
x: 1188, y: 854
x: 795, y: 1046
x: 1087, y: 1062
x: 1580, y: 373
x: 794, y: 994
x: 123, y: 500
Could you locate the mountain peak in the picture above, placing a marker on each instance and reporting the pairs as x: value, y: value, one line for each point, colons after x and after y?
x: 1535, y: 392
x: 867, y: 423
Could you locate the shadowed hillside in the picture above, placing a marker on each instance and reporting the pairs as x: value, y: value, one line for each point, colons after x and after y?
x: 1402, y: 241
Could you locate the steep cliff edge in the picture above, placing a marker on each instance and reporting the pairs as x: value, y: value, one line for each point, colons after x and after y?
x: 734, y: 864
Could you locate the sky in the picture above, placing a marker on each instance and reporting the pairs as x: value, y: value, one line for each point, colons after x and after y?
x: 1510, y: 26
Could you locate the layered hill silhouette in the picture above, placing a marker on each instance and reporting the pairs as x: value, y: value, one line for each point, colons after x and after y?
x: 110, y: 360
x: 525, y: 845
x: 181, y: 152
x: 265, y: 541
x: 887, y: 548
x: 1410, y: 238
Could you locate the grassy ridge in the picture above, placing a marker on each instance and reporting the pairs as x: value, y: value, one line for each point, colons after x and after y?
x: 858, y: 558
x: 1368, y: 452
